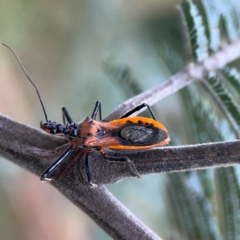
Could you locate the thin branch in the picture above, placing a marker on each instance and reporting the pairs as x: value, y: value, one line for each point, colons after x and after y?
x: 228, y: 54
x: 35, y: 150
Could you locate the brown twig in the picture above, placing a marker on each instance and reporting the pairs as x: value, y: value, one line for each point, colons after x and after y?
x: 32, y: 148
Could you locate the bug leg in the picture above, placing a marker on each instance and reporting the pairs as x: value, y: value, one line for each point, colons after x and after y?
x: 66, y: 115
x: 50, y: 169
x: 139, y: 108
x: 96, y: 110
x: 88, y: 172
x: 76, y: 157
x: 123, y: 160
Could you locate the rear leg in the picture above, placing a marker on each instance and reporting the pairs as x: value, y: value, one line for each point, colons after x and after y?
x: 139, y: 108
x: 52, y: 167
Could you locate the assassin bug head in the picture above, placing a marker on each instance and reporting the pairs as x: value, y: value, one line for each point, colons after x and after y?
x: 52, y: 127
x: 48, y: 126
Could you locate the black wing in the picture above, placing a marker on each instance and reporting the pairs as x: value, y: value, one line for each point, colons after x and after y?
x: 139, y: 135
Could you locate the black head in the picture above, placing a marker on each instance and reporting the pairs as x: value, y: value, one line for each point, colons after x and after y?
x: 69, y: 130
x: 53, y: 127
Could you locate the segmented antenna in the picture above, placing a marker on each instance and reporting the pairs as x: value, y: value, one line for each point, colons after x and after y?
x: 26, y: 74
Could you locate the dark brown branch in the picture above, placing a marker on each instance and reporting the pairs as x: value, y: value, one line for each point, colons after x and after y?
x: 35, y: 150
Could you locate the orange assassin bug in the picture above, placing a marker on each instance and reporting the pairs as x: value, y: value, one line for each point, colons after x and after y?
x: 127, y: 133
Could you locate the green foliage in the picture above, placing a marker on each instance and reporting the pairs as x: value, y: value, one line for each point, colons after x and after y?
x: 122, y: 76
x: 226, y: 100
x: 212, y: 16
x: 231, y: 20
x: 192, y: 213
x: 232, y: 76
x: 171, y: 58
x: 207, y: 125
x: 217, y: 209
x: 194, y: 31
x: 204, y: 204
x: 228, y: 202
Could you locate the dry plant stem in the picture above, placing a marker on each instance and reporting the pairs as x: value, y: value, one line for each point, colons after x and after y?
x: 31, y: 148
x: 106, y: 211
x: 35, y: 150
x: 228, y: 54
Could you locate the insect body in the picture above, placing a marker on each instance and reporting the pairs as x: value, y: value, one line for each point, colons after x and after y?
x: 128, y: 133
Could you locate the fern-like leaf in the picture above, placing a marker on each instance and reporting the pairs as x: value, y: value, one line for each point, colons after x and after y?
x: 228, y: 200
x: 212, y: 24
x: 224, y: 99
x: 197, y: 43
x: 205, y: 126
x: 122, y: 76
x: 194, y: 215
x: 232, y: 76
x: 230, y: 19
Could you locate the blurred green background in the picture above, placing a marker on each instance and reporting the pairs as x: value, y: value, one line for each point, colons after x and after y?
x: 62, y: 45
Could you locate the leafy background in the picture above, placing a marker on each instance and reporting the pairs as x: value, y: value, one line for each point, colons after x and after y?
x: 81, y: 51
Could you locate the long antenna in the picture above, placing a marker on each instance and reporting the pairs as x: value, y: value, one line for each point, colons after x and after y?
x: 26, y: 74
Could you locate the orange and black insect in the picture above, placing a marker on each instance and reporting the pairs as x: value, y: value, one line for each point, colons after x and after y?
x: 128, y: 133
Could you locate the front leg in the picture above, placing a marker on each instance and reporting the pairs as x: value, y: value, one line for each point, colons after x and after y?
x: 88, y: 172
x: 52, y: 167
